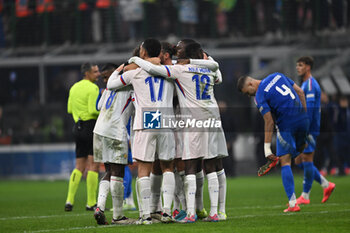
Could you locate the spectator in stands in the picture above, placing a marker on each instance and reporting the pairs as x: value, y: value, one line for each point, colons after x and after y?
x: 83, y: 21
x: 132, y: 14
x: 338, y: 12
x: 290, y: 16
x: 24, y: 22
x: 47, y: 27
x: 188, y: 16
x: 342, y: 135
x: 82, y: 105
x: 151, y: 18
x: 2, y: 34
x: 325, y: 149
x: 205, y: 12
x: 106, y: 13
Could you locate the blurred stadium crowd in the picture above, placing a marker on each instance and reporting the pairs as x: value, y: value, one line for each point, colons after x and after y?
x: 48, y: 22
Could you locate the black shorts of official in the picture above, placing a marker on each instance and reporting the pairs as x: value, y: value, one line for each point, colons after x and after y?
x: 83, y: 133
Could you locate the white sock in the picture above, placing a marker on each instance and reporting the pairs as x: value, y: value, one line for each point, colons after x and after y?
x: 144, y: 189
x: 306, y: 196
x: 222, y: 190
x: 156, y: 182
x: 292, y: 201
x: 117, y: 192
x: 324, y: 182
x: 199, y: 190
x: 179, y: 189
x: 168, y: 185
x: 190, y: 191
x: 213, y: 187
x: 103, y: 191
x: 138, y: 198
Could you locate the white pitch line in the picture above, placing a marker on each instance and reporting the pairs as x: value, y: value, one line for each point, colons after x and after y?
x: 73, y: 228
x: 281, y: 206
x: 45, y: 216
x: 287, y: 214
x: 235, y: 217
x: 230, y: 208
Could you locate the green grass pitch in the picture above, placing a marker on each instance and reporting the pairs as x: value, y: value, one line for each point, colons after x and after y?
x: 254, y: 204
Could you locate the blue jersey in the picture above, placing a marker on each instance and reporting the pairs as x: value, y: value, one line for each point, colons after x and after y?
x: 276, y: 94
x: 313, y: 102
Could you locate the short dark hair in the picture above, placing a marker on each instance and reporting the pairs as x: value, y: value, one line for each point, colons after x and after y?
x: 168, y: 48
x: 307, y: 60
x: 136, y: 52
x: 187, y: 41
x: 109, y: 66
x: 194, y: 51
x: 152, y: 47
x: 241, y: 81
x: 86, y: 67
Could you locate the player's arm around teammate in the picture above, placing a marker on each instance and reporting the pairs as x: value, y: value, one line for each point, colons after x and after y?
x: 192, y: 164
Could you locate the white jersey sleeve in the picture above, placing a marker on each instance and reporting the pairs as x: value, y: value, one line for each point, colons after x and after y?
x: 117, y: 81
x: 102, y: 99
x: 116, y: 109
x: 150, y: 68
x: 210, y: 64
x: 218, y: 75
x: 164, y: 70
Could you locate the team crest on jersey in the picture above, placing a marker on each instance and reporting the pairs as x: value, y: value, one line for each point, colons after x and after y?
x: 152, y: 119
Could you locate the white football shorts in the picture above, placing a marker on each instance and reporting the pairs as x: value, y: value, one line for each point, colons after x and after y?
x: 149, y: 145
x: 178, y: 143
x: 109, y: 150
x: 217, y: 144
x: 195, y: 144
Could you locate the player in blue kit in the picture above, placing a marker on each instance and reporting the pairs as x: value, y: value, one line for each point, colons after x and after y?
x: 313, y: 102
x: 282, y: 103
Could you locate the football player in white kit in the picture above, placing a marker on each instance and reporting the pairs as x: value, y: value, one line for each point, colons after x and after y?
x: 159, y: 168
x: 111, y: 147
x: 214, y: 168
x: 153, y: 97
x: 194, y: 90
x: 200, y: 210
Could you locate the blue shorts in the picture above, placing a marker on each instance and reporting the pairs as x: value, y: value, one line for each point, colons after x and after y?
x: 291, y: 139
x: 311, y: 146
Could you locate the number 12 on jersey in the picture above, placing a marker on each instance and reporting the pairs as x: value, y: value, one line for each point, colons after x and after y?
x: 204, y: 79
x: 150, y: 81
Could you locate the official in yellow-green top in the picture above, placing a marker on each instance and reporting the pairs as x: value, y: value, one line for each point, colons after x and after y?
x: 82, y: 100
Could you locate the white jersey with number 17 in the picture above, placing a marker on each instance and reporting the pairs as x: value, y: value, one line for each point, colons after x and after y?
x: 151, y: 93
